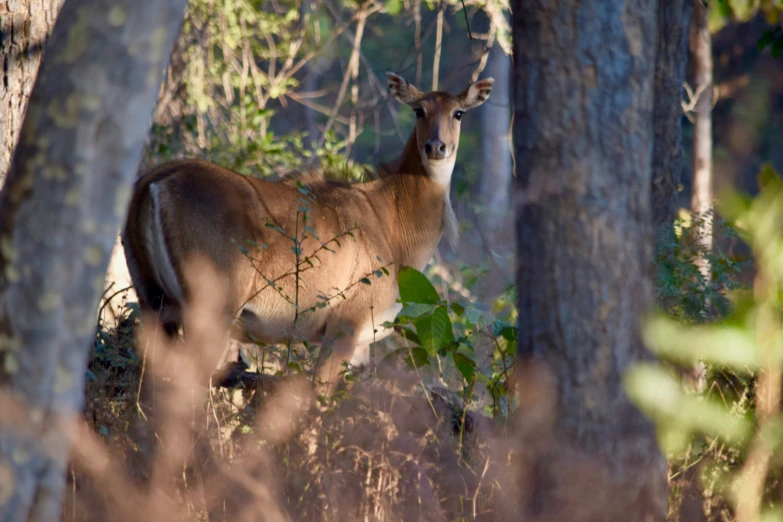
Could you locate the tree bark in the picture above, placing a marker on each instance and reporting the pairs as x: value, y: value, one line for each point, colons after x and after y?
x: 65, y: 196
x: 674, y: 21
x: 701, y: 188
x: 583, y: 138
x: 25, y: 26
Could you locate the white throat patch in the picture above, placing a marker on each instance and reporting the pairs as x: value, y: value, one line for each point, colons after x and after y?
x: 441, y: 173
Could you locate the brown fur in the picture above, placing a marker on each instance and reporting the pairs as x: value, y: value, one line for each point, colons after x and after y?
x: 206, y: 210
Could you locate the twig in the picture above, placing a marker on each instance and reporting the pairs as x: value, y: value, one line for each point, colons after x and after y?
x: 485, y: 54
x: 478, y: 487
x: 112, y: 296
x: 316, y: 107
x: 470, y: 36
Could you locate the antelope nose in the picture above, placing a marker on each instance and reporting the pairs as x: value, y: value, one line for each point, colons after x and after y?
x: 435, y: 149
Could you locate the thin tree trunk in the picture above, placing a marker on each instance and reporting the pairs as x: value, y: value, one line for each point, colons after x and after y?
x: 66, y: 193
x: 24, y: 29
x: 417, y: 39
x: 495, y: 180
x: 438, y: 45
x: 674, y: 23
x: 583, y: 138
x: 701, y: 195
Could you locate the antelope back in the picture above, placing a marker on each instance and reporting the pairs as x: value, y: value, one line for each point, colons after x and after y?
x: 283, y: 247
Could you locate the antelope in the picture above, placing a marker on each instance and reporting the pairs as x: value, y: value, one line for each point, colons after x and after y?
x: 257, y: 232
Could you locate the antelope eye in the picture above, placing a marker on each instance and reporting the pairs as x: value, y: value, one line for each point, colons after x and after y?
x: 419, y: 112
x: 458, y: 114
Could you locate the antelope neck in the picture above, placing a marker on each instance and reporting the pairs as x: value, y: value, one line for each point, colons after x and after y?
x: 419, y: 199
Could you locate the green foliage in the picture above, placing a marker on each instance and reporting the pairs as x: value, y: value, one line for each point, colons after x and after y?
x: 729, y: 423
x: 772, y: 38
x: 721, y: 12
x: 437, y: 330
x: 114, y: 359
x: 237, y: 98
x: 680, y: 286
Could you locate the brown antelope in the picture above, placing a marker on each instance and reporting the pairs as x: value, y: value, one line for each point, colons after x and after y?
x: 299, y: 256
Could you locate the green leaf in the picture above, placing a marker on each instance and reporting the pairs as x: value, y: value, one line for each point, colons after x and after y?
x: 415, y: 287
x: 465, y: 365
x: 393, y: 7
x: 410, y: 335
x: 509, y: 333
x: 658, y: 393
x: 365, y: 281
x: 415, y: 310
x: 723, y: 345
x: 767, y: 37
x: 418, y: 357
x: 434, y: 331
x: 777, y: 48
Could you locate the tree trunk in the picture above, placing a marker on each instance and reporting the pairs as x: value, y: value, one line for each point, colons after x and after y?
x: 495, y: 180
x: 66, y: 192
x: 674, y: 21
x: 701, y: 190
x: 25, y: 26
x: 583, y: 138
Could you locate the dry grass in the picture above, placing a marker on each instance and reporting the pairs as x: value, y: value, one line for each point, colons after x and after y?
x: 386, y: 451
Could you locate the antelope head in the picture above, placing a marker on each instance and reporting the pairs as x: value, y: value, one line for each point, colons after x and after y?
x: 438, y: 119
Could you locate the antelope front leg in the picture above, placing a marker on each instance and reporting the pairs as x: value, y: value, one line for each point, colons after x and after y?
x: 327, y: 375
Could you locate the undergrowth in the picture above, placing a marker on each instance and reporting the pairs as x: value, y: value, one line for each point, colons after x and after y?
x: 714, y: 394
x: 411, y: 441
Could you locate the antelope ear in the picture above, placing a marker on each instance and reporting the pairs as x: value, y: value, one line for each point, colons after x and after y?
x: 402, y: 91
x: 476, y: 94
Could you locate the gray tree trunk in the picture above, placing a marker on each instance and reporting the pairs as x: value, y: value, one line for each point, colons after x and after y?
x: 674, y: 21
x: 25, y: 26
x: 495, y: 180
x: 583, y: 138
x: 701, y: 189
x: 65, y: 195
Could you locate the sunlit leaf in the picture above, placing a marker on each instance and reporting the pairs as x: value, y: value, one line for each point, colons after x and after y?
x: 773, y: 514
x: 434, y: 330
x: 656, y: 392
x: 415, y: 287
x: 722, y: 345
x: 393, y: 7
